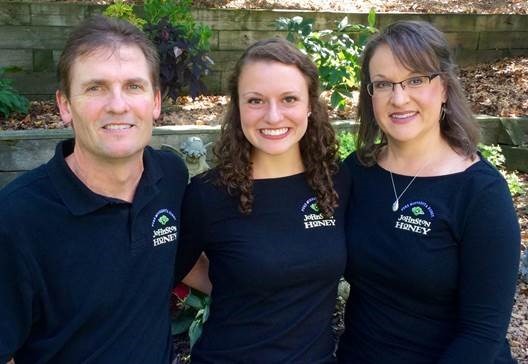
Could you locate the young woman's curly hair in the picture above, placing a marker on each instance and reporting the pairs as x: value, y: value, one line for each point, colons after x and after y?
x: 318, y: 145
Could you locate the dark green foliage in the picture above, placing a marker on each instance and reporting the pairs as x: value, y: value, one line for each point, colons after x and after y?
x: 182, y: 62
x: 10, y: 100
x: 335, y: 52
x: 192, y: 312
x: 182, y: 43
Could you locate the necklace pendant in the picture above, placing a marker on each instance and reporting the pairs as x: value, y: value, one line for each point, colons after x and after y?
x: 395, y: 205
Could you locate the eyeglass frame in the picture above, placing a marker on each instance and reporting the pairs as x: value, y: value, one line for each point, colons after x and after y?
x: 401, y: 83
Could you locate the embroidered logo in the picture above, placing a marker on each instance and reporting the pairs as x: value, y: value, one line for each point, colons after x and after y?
x: 417, y: 211
x: 416, y: 217
x: 163, y: 219
x: 312, y: 217
x: 164, y: 227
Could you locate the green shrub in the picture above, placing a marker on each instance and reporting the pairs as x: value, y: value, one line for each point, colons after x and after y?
x: 347, y: 144
x: 190, y: 313
x: 178, y: 13
x: 493, y: 153
x: 125, y: 11
x: 10, y: 100
x: 336, y: 53
x: 181, y: 42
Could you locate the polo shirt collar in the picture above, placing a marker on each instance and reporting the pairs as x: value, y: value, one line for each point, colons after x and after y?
x: 78, y: 198
x: 147, y: 187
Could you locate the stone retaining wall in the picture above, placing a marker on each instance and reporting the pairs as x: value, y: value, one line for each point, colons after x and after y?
x: 26, y: 149
x: 33, y: 34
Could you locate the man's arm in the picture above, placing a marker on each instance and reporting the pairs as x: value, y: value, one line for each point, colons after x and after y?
x: 16, y: 297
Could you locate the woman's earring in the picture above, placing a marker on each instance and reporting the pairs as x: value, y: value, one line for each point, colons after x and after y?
x: 443, y: 111
x: 309, y: 113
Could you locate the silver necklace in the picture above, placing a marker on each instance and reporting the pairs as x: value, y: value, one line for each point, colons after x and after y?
x: 396, y: 203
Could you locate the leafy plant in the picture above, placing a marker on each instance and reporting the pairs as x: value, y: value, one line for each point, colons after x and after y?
x: 191, y: 312
x: 347, y: 144
x: 182, y: 62
x: 178, y: 13
x: 125, y: 11
x: 182, y: 43
x: 336, y: 53
x: 10, y: 100
x: 493, y: 153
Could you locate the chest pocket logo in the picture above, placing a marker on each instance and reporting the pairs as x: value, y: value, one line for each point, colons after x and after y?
x: 416, y: 217
x: 312, y: 217
x: 164, y: 227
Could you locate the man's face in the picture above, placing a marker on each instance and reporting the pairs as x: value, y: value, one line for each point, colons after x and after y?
x: 112, y: 104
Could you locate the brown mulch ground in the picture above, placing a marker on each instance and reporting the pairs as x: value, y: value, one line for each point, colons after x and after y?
x: 499, y: 88
x: 518, y: 330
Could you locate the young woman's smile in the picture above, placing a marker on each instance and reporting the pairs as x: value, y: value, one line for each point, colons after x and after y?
x: 274, y: 108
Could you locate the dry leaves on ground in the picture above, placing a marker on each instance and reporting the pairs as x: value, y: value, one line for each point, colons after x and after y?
x: 499, y: 88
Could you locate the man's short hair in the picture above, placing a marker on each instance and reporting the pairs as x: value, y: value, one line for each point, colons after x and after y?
x: 101, y: 32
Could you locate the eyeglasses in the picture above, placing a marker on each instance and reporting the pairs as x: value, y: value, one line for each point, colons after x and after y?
x: 382, y: 88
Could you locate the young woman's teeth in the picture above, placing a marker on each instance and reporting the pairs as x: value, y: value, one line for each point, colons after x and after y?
x: 274, y: 132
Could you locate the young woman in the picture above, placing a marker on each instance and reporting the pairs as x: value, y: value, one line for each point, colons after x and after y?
x: 268, y: 217
x: 433, y: 239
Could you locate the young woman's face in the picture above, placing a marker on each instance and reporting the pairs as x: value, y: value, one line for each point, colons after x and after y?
x: 405, y: 115
x: 274, y: 107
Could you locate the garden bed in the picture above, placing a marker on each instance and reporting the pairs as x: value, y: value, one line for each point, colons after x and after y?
x: 499, y: 88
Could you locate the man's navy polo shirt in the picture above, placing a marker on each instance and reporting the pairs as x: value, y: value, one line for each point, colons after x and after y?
x: 86, y: 278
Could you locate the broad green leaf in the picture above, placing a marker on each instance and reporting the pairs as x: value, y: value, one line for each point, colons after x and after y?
x: 195, y: 330
x: 372, y: 17
x: 181, y: 325
x: 343, y: 23
x: 194, y: 301
x: 206, y: 312
x: 335, y: 99
x: 297, y: 19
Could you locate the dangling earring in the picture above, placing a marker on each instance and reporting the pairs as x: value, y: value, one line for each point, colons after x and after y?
x: 309, y: 113
x: 443, y: 111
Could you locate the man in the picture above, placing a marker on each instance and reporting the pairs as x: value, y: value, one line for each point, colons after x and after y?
x: 88, y: 240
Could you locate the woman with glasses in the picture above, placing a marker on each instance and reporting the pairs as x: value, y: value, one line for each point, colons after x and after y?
x: 433, y: 239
